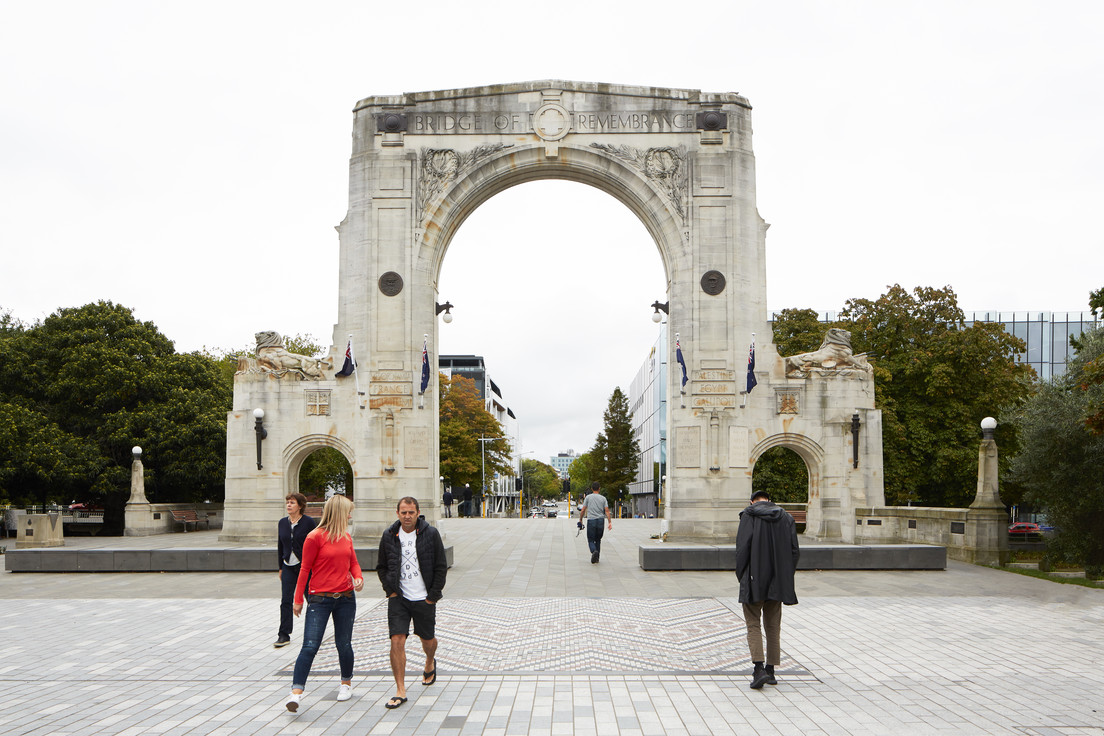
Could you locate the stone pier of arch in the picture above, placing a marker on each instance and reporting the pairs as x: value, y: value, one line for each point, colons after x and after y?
x: 682, y: 161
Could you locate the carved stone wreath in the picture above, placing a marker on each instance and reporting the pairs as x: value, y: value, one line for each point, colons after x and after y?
x: 664, y: 166
x: 441, y: 166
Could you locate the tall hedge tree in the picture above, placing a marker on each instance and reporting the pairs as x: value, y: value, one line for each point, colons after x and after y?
x: 1059, y: 465
x: 82, y: 387
x: 615, y: 454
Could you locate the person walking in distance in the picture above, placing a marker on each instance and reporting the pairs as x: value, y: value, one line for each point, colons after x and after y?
x: 330, y: 565
x: 766, y: 559
x: 412, y: 568
x: 446, y: 501
x: 291, y: 531
x: 593, y: 507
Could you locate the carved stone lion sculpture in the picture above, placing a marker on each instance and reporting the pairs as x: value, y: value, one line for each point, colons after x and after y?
x: 273, y: 356
x: 834, y: 355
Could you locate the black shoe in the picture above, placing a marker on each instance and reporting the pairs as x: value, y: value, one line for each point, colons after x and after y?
x: 759, y: 677
x: 593, y: 557
x: 770, y: 675
x: 282, y: 641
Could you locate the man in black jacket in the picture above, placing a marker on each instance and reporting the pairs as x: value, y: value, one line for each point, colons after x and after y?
x: 766, y: 558
x: 412, y: 567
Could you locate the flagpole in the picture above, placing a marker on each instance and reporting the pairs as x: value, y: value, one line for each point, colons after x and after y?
x: 356, y: 376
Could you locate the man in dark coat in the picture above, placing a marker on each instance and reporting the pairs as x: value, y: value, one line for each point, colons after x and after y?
x: 446, y: 500
x: 766, y: 558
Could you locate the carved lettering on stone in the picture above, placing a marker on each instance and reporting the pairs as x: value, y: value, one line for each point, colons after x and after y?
x: 737, y: 447
x: 664, y: 166
x: 389, y: 389
x: 416, y: 447
x: 713, y: 402
x: 396, y: 402
x: 688, y: 447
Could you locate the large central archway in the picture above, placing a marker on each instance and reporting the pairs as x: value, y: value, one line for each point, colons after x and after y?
x: 682, y: 162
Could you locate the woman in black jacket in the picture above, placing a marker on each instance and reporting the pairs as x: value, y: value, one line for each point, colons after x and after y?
x: 290, y: 533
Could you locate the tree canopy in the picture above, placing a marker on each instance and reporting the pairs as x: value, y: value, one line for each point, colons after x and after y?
x: 935, y: 379
x: 86, y: 384
x: 1059, y: 464
x: 540, y: 479
x: 463, y: 421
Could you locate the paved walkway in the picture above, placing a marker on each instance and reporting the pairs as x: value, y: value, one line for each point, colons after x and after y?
x: 535, y: 639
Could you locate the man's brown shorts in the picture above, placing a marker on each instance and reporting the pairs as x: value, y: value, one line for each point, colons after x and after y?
x: 400, y: 611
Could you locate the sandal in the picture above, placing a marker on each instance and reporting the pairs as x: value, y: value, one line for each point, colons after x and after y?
x: 431, y: 675
x: 394, y: 702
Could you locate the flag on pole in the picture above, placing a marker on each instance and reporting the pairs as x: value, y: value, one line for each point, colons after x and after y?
x: 751, y: 366
x: 681, y: 361
x: 349, y: 366
x: 425, y: 364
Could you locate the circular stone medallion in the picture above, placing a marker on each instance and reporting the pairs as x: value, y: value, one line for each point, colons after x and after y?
x: 551, y: 121
x: 390, y: 283
x: 713, y: 282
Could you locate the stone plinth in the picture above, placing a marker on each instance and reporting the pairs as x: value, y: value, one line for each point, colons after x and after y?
x: 40, y: 530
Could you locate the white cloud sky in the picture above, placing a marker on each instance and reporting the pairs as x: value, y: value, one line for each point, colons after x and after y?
x: 189, y: 160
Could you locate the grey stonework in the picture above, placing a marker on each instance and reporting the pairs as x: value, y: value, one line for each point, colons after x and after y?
x: 421, y: 164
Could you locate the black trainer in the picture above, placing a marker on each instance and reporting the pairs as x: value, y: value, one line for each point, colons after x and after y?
x: 593, y: 557
x: 282, y: 641
x: 770, y: 675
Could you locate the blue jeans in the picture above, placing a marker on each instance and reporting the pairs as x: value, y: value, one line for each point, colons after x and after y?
x: 595, y: 530
x: 319, y: 610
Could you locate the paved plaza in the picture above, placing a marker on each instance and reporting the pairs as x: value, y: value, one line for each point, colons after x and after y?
x: 535, y: 639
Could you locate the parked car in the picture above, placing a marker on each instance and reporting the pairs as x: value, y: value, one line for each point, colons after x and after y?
x: 1025, y: 530
x: 551, y: 509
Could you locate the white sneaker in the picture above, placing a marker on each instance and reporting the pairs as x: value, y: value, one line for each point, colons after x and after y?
x: 292, y: 702
x: 344, y: 692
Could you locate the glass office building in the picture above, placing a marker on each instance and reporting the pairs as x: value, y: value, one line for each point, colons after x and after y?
x: 648, y: 407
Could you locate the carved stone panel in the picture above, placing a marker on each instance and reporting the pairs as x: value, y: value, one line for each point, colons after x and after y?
x: 788, y: 401
x: 416, y: 447
x: 318, y: 403
x: 688, y: 447
x: 737, y: 447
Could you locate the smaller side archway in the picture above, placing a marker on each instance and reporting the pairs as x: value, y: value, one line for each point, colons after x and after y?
x: 813, y: 455
x: 297, y: 452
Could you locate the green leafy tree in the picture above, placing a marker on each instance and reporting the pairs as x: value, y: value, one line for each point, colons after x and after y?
x: 99, y: 382
x: 616, y: 454
x: 581, y: 473
x: 540, y: 479
x: 1059, y: 463
x: 781, y: 473
x: 935, y: 379
x: 463, y: 420
x: 325, y: 469
x: 798, y: 331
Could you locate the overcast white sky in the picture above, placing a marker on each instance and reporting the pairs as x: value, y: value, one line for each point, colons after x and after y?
x: 189, y: 160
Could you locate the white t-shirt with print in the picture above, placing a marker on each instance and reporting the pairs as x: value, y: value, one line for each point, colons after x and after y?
x: 410, y: 575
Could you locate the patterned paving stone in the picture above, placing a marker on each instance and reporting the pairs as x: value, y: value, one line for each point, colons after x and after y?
x: 568, y: 635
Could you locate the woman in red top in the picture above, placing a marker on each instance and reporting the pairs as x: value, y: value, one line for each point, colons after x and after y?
x: 330, y: 563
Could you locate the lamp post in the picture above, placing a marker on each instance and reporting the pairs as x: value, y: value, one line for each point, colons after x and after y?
x: 262, y: 433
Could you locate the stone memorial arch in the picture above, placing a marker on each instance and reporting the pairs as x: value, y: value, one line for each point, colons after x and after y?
x: 682, y: 162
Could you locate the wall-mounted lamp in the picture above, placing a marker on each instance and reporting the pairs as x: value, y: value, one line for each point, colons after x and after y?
x: 445, y: 308
x: 656, y: 316
x: 988, y: 427
x: 262, y: 433
x: 855, y: 438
